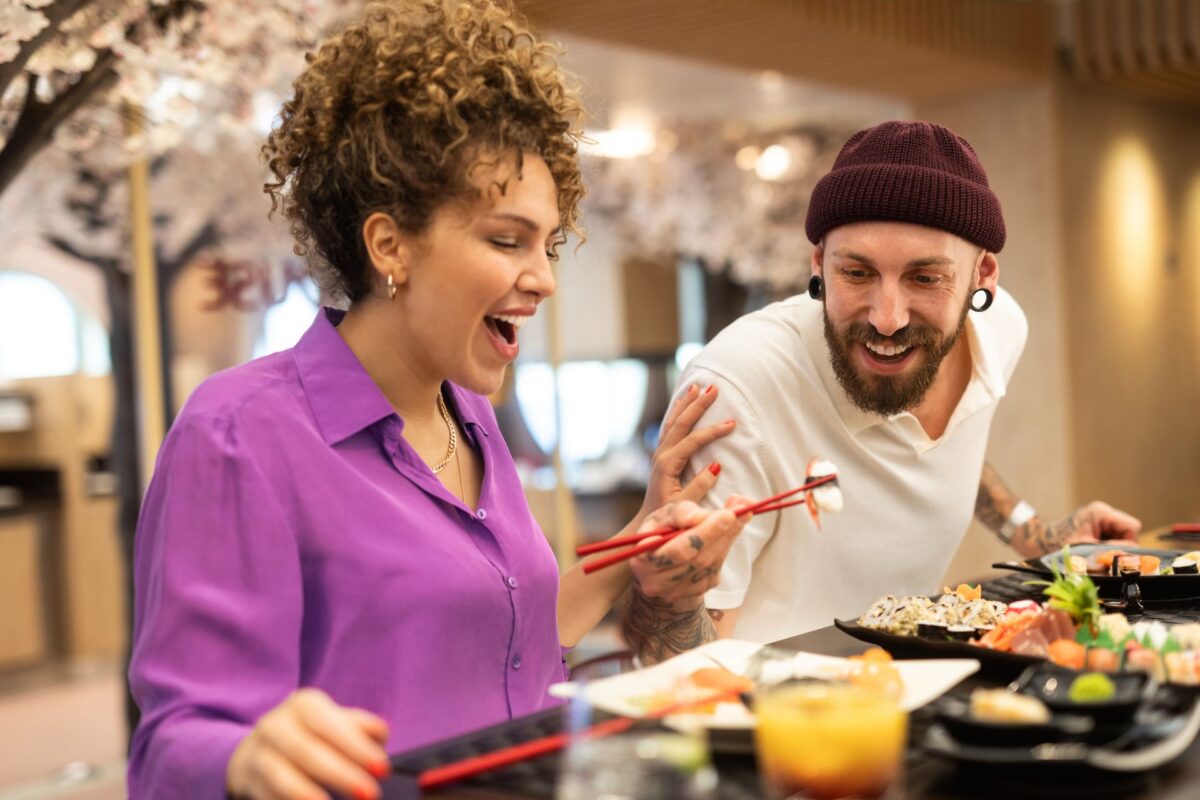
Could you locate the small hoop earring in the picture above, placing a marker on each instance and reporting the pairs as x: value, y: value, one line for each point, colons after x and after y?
x: 391, y: 287
x: 988, y: 297
x: 815, y: 287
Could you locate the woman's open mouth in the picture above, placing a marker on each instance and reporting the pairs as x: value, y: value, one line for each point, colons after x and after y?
x: 502, y: 329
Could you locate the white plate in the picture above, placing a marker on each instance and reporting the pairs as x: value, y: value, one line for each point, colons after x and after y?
x: 924, y: 681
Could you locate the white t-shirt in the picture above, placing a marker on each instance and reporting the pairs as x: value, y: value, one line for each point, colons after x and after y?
x: 908, y: 498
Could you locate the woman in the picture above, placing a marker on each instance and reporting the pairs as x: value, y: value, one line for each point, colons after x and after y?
x: 344, y: 516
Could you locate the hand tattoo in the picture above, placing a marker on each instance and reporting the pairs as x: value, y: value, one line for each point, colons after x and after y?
x: 695, y: 541
x: 662, y: 562
x: 656, y: 630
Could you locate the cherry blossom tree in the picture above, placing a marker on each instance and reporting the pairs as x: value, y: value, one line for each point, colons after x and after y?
x: 191, y: 85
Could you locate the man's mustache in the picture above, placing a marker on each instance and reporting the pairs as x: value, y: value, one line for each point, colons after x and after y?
x: 908, y: 336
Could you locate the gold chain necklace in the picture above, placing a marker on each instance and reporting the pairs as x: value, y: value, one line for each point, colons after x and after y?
x: 453, y: 436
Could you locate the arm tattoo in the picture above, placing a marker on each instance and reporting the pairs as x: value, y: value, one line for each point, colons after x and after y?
x: 1036, y: 538
x: 995, y: 501
x: 655, y: 630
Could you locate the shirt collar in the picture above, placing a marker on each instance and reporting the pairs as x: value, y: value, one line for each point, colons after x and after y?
x: 986, y: 384
x: 343, y: 397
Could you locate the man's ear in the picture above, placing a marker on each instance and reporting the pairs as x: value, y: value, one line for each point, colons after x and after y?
x: 987, y: 272
x: 389, y: 249
x: 818, y: 258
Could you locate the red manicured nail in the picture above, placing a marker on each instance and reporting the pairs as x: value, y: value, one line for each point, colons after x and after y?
x: 714, y: 468
x: 711, y: 388
x: 380, y: 769
x: 366, y: 793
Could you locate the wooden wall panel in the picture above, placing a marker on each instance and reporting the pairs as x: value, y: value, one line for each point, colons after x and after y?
x: 921, y: 50
x: 1130, y: 216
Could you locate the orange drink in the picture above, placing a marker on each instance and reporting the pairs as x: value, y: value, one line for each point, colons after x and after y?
x: 829, y: 741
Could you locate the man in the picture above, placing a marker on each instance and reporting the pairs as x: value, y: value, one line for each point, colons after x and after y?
x: 891, y: 368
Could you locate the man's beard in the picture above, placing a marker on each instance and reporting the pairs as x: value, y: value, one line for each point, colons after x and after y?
x: 890, y: 394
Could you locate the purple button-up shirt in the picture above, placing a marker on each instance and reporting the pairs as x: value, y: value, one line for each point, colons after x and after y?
x: 291, y: 537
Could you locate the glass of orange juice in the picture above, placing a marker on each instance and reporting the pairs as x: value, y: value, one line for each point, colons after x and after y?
x: 829, y: 741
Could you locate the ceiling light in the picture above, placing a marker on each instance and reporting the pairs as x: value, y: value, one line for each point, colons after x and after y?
x: 747, y: 158
x: 619, y: 143
x: 774, y: 162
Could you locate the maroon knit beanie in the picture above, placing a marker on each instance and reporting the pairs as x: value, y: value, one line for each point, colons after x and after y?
x: 908, y: 172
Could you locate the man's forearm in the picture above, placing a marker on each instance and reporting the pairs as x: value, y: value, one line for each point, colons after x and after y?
x: 655, y: 630
x: 994, y: 505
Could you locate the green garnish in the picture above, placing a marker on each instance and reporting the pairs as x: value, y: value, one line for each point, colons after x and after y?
x: 1091, y: 687
x: 1073, y: 593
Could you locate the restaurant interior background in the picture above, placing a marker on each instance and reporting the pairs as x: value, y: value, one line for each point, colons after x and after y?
x: 711, y: 120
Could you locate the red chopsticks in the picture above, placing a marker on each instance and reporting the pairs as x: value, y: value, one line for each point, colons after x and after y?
x: 1186, y: 527
x: 468, y: 767
x: 761, y: 507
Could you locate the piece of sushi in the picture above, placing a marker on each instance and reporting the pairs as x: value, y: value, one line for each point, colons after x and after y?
x: 960, y: 633
x: 1001, y: 705
x: 827, y: 497
x: 933, y: 630
x: 1185, y: 566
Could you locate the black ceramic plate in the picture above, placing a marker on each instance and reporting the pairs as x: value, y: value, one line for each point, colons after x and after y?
x: 1146, y: 745
x: 993, y: 662
x: 954, y: 713
x: 1051, y: 684
x: 1155, y: 588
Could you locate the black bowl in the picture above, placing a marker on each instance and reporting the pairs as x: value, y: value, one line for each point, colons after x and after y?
x: 1051, y: 684
x: 955, y: 715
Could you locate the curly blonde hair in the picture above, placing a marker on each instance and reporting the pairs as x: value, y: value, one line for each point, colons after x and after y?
x: 393, y: 114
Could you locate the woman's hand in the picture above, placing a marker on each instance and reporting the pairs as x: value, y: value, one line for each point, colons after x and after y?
x: 677, y: 443
x: 682, y: 570
x: 306, y: 745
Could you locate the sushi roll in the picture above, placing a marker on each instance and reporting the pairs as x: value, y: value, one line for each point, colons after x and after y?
x: 936, y: 631
x: 1185, y: 566
x: 960, y: 633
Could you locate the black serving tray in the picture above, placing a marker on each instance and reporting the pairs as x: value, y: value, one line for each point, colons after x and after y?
x: 1155, y: 588
x: 993, y: 663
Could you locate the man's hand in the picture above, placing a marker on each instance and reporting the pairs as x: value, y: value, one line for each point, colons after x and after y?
x: 1094, y: 522
x: 308, y: 742
x: 666, y: 613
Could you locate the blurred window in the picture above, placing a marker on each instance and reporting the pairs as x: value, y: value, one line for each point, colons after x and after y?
x: 43, y: 333
x: 286, y: 321
x: 602, y: 404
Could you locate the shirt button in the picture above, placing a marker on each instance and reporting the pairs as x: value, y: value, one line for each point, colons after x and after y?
x: 516, y: 662
x: 481, y: 513
x: 511, y: 581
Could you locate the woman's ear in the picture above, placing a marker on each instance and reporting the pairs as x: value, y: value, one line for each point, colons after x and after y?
x: 388, y: 248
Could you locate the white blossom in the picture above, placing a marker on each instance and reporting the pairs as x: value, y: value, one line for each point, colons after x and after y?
x: 21, y: 23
